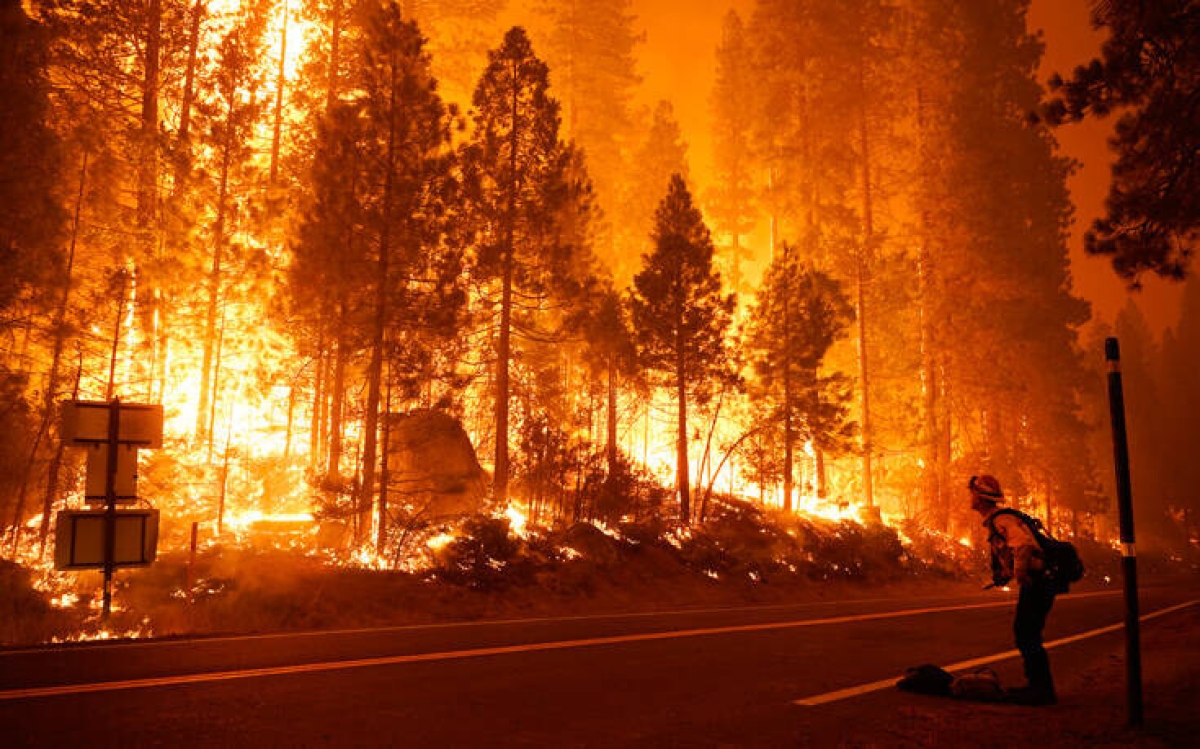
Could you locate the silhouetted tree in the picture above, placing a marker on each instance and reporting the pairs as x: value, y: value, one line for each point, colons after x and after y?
x: 592, y: 52
x: 1147, y: 72
x: 732, y: 203
x: 680, y: 315
x: 31, y: 223
x: 799, y: 313
x: 516, y: 171
x: 661, y: 154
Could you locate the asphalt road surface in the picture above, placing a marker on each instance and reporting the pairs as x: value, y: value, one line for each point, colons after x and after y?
x: 797, y: 675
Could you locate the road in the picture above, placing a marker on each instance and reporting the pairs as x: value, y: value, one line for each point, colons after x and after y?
x: 804, y: 674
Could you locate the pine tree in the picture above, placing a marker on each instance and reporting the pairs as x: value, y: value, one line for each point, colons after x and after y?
x: 517, y: 180
x: 121, y: 66
x: 1147, y: 72
x: 330, y: 269
x: 31, y: 224
x: 996, y: 296
x: 661, y: 154
x: 408, y: 168
x: 609, y: 337
x: 680, y: 316
x: 372, y: 245
x: 592, y: 52
x: 732, y: 201
x: 31, y: 218
x: 799, y: 314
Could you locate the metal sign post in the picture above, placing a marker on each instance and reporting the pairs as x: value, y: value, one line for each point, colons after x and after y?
x: 113, y: 432
x: 110, y: 502
x: 1133, y: 648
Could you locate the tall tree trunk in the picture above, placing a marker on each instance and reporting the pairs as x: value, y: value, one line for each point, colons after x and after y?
x: 147, y: 214
x: 51, y: 488
x: 931, y: 454
x: 503, y: 353
x: 214, y: 282
x: 610, y: 447
x: 291, y: 414
x: 60, y: 319
x: 333, y: 469
x: 682, y: 482
x: 822, y: 486
x: 944, y: 436
x: 216, y: 387
x: 148, y: 162
x: 789, y: 434
x: 111, y: 389
x: 160, y: 327
x: 189, y: 76
x: 860, y: 280
x: 316, y: 416
x: 381, y: 539
x: 366, y: 490
x: 280, y: 80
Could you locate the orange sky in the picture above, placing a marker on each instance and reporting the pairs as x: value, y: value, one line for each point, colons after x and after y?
x: 677, y: 64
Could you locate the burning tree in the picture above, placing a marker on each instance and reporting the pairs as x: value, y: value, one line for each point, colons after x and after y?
x: 519, y: 190
x: 799, y: 314
x: 681, y: 315
x: 373, y: 241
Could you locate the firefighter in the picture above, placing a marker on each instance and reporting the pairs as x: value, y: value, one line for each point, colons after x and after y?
x: 1017, y: 555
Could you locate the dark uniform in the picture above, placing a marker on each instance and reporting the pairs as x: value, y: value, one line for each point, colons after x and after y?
x: 1016, y: 554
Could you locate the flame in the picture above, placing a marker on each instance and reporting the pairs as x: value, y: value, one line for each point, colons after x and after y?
x: 245, y: 519
x: 516, y: 521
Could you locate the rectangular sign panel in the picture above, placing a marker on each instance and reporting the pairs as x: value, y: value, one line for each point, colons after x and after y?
x: 86, y: 423
x: 97, y: 471
x: 79, y: 539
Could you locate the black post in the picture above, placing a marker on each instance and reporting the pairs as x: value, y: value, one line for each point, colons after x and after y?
x: 1133, y: 650
x: 191, y: 567
x: 110, y: 502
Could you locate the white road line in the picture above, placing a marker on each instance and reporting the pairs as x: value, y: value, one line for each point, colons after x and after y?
x: 108, y: 686
x: 875, y: 686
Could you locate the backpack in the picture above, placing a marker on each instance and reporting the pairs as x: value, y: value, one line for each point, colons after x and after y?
x: 927, y: 679
x: 980, y: 685
x: 1063, y: 565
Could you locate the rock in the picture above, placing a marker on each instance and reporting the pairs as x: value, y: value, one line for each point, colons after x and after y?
x: 432, y: 465
x: 593, y: 544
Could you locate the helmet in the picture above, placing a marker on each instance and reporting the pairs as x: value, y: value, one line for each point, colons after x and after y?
x: 987, y: 487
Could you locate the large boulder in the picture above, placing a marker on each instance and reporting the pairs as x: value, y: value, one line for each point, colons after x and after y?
x: 593, y: 544
x: 432, y: 465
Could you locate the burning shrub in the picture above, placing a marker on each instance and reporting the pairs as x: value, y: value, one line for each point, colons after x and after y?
x: 860, y: 552
x: 740, y: 539
x: 624, y: 492
x: 939, y: 554
x: 484, y: 556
